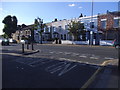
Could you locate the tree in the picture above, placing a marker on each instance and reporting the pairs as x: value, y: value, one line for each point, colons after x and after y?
x: 4, y: 36
x: 23, y: 26
x: 41, y: 26
x: 55, y: 20
x: 10, y: 25
x: 81, y: 15
x: 76, y: 29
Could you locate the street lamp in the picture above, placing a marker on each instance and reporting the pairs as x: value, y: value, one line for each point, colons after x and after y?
x: 91, y: 26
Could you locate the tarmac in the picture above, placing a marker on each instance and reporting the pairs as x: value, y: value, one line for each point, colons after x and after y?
x: 107, y: 76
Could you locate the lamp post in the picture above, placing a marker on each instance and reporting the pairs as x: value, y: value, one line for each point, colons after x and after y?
x: 91, y: 26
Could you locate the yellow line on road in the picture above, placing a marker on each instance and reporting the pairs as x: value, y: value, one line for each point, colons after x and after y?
x: 92, y: 78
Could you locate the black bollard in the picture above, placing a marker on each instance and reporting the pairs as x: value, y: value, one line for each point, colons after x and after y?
x: 32, y: 47
x: 27, y: 46
x: 23, y: 48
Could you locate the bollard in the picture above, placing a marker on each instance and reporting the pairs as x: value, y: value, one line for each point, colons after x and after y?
x: 32, y: 47
x: 22, y: 48
x: 27, y: 46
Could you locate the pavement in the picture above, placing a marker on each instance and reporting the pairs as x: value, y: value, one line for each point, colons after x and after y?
x: 27, y: 52
x: 107, y: 76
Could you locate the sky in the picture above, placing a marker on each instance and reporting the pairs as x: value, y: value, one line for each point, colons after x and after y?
x: 26, y: 12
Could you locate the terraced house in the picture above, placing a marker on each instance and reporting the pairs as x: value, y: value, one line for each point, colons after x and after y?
x: 109, y: 23
x: 104, y: 26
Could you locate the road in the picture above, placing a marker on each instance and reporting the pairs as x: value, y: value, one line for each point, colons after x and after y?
x: 55, y: 66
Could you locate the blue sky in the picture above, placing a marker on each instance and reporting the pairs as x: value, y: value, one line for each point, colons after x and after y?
x: 26, y: 12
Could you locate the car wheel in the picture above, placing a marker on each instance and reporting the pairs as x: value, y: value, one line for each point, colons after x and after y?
x: 116, y: 46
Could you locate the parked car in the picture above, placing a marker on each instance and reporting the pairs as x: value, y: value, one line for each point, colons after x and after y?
x: 25, y: 41
x: 12, y: 41
x: 116, y: 44
x: 4, y: 42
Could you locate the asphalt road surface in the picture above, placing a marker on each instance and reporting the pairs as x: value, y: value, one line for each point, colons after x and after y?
x: 55, y: 66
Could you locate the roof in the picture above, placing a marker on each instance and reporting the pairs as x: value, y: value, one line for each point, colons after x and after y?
x: 112, y: 13
x: 28, y: 27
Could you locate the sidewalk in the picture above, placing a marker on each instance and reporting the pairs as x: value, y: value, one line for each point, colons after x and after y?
x: 108, y: 77
x: 27, y: 51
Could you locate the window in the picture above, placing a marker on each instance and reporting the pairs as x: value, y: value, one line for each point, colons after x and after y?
x: 61, y: 36
x: 116, y: 23
x: 54, y: 29
x: 60, y: 28
x: 66, y: 27
x: 103, y: 24
x: 64, y: 36
x: 26, y: 32
x: 91, y: 24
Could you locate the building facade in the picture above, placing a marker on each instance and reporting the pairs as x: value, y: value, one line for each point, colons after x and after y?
x: 22, y: 33
x: 109, y: 24
x: 105, y: 24
x: 59, y: 29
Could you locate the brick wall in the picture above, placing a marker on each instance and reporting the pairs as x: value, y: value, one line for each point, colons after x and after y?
x: 109, y: 32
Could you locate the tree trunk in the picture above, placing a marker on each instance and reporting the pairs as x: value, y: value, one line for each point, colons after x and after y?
x: 41, y: 39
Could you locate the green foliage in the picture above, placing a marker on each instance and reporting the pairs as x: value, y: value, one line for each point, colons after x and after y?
x: 4, y: 36
x: 10, y: 25
x: 24, y: 38
x: 76, y: 29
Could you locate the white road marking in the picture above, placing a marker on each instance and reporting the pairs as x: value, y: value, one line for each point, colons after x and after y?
x: 66, y: 53
x: 94, y: 58
x: 82, y: 56
x: 74, y: 54
x: 66, y: 69
x: 108, y: 58
x: 58, y: 64
x: 60, y: 52
x: 37, y: 61
x: 63, y: 67
x: 64, y: 59
x: 51, y: 52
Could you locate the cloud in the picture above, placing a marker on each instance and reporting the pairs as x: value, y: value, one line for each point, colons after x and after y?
x: 71, y: 5
x: 80, y: 7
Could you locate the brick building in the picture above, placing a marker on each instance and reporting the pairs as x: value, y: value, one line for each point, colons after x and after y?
x: 109, y: 24
x: 24, y: 32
